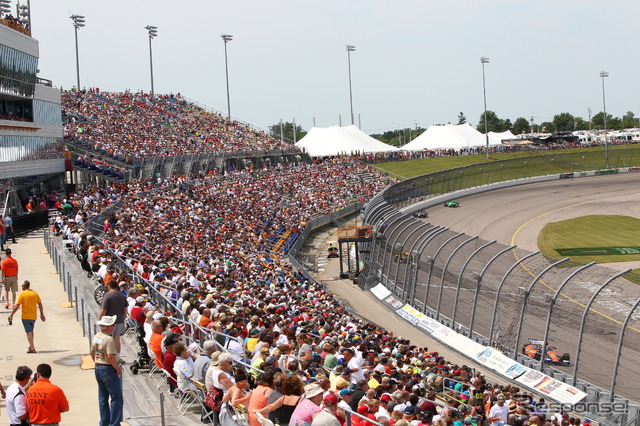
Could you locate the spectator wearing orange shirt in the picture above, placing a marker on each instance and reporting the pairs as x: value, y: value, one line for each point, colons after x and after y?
x: 46, y: 401
x: 205, y: 318
x: 9, y: 268
x: 155, y: 342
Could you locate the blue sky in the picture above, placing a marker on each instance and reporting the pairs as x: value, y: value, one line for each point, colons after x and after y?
x: 415, y: 61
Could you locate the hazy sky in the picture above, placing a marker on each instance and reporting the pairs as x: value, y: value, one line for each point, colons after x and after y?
x: 415, y: 61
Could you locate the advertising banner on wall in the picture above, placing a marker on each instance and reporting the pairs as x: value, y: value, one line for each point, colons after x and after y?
x: 486, y: 356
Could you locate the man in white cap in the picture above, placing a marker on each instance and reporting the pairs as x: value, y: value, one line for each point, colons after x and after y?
x: 107, y: 372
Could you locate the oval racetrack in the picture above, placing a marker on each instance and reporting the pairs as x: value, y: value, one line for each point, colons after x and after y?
x: 516, y: 215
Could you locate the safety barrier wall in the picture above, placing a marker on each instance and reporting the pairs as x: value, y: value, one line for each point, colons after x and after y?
x: 502, y: 296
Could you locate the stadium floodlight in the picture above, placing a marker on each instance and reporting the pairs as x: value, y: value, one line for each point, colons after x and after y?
x: 24, y: 14
x: 153, y: 32
x: 227, y: 38
x: 350, y: 49
x: 604, y: 74
x: 78, y: 22
x: 5, y: 7
x: 483, y: 61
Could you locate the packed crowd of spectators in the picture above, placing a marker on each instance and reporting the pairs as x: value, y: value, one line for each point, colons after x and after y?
x: 13, y: 22
x: 278, y: 344
x: 13, y: 117
x: 136, y: 125
x: 97, y: 165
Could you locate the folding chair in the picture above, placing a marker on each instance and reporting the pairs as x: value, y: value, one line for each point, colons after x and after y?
x: 154, y: 364
x: 263, y: 420
x: 130, y: 324
x: 240, y: 412
x: 186, y: 398
x: 201, y: 395
x: 165, y: 378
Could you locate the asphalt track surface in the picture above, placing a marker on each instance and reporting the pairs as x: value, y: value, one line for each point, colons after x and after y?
x: 515, y: 216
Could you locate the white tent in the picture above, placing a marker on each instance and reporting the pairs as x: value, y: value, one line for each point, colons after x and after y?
x: 334, y: 140
x: 448, y: 136
x: 497, y: 138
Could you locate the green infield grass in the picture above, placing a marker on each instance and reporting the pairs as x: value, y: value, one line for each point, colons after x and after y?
x: 596, y: 231
x: 413, y: 168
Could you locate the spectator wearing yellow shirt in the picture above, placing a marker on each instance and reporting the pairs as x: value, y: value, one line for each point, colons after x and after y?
x: 252, y: 340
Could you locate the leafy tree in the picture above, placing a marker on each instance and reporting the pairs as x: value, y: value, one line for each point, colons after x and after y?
x: 521, y: 125
x: 563, y: 122
x: 629, y: 120
x: 612, y: 123
x: 507, y: 124
x: 581, y: 124
x: 494, y: 124
x: 287, y: 131
x: 547, y: 127
x: 462, y: 118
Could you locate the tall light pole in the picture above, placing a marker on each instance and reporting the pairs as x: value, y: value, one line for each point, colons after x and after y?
x: 153, y: 32
x: 350, y: 49
x: 227, y: 38
x: 78, y: 22
x: 5, y: 7
x: 484, y: 60
x: 604, y: 74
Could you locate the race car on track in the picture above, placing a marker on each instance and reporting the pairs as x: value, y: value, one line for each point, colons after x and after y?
x: 534, y: 350
x: 453, y: 204
x: 421, y: 214
x: 403, y: 257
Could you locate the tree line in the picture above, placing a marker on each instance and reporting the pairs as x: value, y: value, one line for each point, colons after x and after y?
x: 563, y: 122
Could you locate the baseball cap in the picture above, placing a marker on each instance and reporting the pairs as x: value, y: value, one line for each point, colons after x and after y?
x: 171, y: 339
x: 409, y: 411
x: 501, y: 398
x: 346, y: 371
x: 346, y: 391
x: 331, y: 399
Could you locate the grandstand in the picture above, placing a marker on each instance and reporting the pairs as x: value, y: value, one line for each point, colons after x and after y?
x: 119, y: 136
x: 31, y: 150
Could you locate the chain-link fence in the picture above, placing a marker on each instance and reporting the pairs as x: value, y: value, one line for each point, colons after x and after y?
x: 502, y: 296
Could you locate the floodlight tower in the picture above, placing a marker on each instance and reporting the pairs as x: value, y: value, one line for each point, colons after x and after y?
x: 484, y: 60
x: 350, y: 49
x: 78, y: 22
x: 604, y: 74
x: 227, y: 38
x: 153, y: 33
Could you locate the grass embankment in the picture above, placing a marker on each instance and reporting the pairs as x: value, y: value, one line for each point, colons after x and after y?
x: 593, y: 231
x: 413, y: 168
